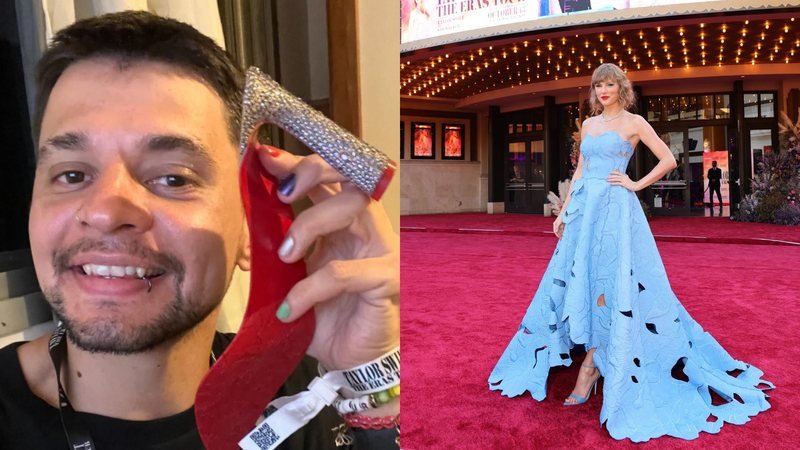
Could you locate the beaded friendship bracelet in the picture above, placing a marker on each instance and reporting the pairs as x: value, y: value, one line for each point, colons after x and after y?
x: 354, y: 422
x: 371, y: 423
x: 384, y: 397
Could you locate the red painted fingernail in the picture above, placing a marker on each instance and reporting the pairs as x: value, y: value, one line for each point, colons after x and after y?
x: 261, y: 148
x: 274, y: 152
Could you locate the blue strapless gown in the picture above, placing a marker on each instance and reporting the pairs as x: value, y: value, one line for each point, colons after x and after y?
x: 643, y: 335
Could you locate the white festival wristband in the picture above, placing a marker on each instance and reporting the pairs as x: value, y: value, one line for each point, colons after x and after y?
x: 374, y: 376
x: 283, y: 416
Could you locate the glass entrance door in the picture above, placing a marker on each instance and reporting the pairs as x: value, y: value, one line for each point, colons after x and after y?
x: 671, y: 192
x: 685, y: 190
x: 760, y: 144
x: 708, y: 160
x: 524, y: 185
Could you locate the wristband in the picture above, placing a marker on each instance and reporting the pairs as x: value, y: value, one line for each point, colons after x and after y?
x: 352, y: 405
x: 285, y: 415
x: 371, y: 423
x: 374, y: 376
x: 365, y: 402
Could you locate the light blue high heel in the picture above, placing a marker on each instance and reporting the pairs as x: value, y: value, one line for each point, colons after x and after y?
x: 581, y: 400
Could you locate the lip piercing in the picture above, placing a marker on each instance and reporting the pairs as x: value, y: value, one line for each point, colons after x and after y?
x: 149, y: 284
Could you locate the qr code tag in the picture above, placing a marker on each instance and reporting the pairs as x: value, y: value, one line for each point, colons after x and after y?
x: 268, y: 412
x: 262, y: 438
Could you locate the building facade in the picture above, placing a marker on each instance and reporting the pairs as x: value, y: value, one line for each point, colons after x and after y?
x: 712, y: 79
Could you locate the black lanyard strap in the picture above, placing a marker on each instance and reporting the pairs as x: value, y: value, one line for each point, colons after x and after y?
x: 75, y: 429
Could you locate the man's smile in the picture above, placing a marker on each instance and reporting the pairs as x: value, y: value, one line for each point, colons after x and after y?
x: 111, y: 271
x: 115, y: 274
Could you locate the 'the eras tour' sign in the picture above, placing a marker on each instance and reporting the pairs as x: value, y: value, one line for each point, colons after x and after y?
x: 430, y: 19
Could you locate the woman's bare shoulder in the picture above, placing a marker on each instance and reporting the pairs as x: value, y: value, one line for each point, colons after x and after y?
x: 587, y: 124
x: 636, y: 119
x: 633, y: 126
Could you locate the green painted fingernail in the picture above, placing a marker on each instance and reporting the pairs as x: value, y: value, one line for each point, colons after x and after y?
x: 283, y: 311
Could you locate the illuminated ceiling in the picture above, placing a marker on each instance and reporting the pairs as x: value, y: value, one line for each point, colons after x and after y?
x: 461, y: 73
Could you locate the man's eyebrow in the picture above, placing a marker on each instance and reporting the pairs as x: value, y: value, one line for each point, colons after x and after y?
x: 173, y: 142
x: 66, y: 141
x: 160, y: 142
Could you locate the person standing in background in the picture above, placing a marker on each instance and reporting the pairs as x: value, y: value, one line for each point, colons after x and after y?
x: 714, y: 176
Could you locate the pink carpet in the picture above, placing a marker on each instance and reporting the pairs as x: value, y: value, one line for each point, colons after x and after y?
x: 464, y: 295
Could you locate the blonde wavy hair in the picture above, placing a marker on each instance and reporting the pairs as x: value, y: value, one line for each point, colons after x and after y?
x: 605, y: 72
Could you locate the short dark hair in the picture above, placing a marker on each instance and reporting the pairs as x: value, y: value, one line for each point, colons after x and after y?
x: 132, y: 36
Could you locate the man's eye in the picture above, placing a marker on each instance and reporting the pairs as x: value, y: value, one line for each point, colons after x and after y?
x: 72, y: 177
x: 173, y: 181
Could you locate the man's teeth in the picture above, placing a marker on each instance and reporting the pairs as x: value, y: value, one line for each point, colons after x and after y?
x: 116, y: 271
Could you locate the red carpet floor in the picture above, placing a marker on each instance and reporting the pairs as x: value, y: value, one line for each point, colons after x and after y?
x: 464, y: 295
x: 716, y: 229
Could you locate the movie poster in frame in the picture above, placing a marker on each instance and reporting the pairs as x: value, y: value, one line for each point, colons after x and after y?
x: 424, y: 135
x: 452, y: 141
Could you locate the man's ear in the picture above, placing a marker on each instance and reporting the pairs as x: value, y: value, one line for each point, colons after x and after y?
x: 243, y: 259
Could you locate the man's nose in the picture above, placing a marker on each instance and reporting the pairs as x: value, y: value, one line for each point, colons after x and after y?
x: 116, y: 202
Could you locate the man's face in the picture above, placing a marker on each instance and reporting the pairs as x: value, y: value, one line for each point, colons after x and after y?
x: 136, y: 178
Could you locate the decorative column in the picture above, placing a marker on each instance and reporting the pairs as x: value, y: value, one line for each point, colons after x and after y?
x: 496, y: 201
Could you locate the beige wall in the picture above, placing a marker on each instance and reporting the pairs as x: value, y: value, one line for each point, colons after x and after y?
x: 442, y: 187
x: 436, y: 186
x: 379, y: 73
